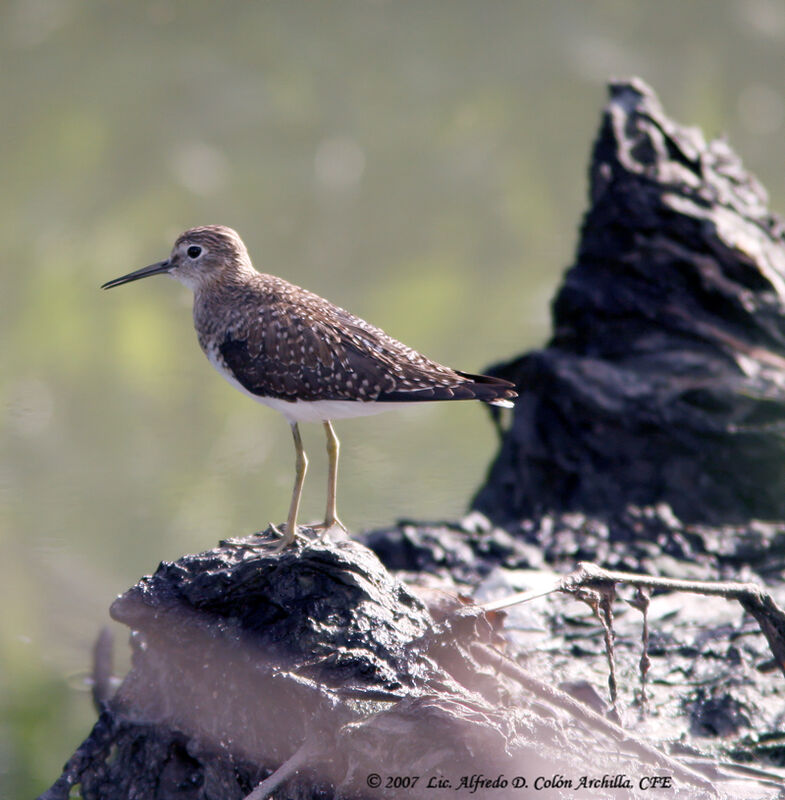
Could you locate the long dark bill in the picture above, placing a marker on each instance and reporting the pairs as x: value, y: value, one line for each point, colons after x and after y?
x: 154, y: 269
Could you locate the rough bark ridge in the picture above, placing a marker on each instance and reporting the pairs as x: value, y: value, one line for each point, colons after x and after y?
x: 664, y: 381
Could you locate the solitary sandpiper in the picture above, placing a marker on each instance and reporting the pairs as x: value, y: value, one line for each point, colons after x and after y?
x: 294, y: 351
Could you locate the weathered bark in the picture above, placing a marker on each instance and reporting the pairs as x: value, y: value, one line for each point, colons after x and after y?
x: 664, y: 379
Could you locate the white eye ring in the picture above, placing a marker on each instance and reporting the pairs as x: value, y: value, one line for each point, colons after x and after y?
x: 194, y: 251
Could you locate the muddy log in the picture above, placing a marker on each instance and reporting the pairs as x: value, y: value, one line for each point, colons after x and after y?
x: 318, y: 672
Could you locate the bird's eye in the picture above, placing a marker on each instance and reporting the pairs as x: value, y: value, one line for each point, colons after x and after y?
x: 194, y: 251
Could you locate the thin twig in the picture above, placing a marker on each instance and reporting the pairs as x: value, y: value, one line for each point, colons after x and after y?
x: 103, y: 657
x: 299, y: 758
x: 641, y: 601
x: 753, y: 598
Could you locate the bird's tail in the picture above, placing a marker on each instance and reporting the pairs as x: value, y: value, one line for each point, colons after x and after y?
x: 494, y: 391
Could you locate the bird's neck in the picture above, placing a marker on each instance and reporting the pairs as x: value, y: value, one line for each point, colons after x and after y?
x: 216, y: 303
x: 232, y: 279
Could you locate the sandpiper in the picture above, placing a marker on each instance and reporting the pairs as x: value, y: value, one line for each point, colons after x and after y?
x: 298, y: 353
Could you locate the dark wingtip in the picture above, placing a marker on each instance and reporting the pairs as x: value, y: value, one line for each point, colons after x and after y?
x: 494, y: 391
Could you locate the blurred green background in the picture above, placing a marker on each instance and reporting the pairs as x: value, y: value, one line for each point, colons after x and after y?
x: 420, y: 163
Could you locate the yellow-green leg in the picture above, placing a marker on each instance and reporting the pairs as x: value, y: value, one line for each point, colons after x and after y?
x: 333, y: 448
x: 301, y: 465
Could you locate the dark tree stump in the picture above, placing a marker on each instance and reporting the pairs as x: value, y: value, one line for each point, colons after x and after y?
x: 663, y: 382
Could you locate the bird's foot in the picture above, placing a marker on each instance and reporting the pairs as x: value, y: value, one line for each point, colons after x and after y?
x: 285, y: 538
x: 301, y: 533
x: 329, y: 524
x: 252, y: 543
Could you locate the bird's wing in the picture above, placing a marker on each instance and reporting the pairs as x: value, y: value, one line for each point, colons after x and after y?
x: 301, y: 347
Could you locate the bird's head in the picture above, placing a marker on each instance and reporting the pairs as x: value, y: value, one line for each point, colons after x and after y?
x: 200, y: 257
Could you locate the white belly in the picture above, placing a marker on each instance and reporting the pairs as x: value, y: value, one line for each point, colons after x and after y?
x: 324, y: 410
x: 307, y: 410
